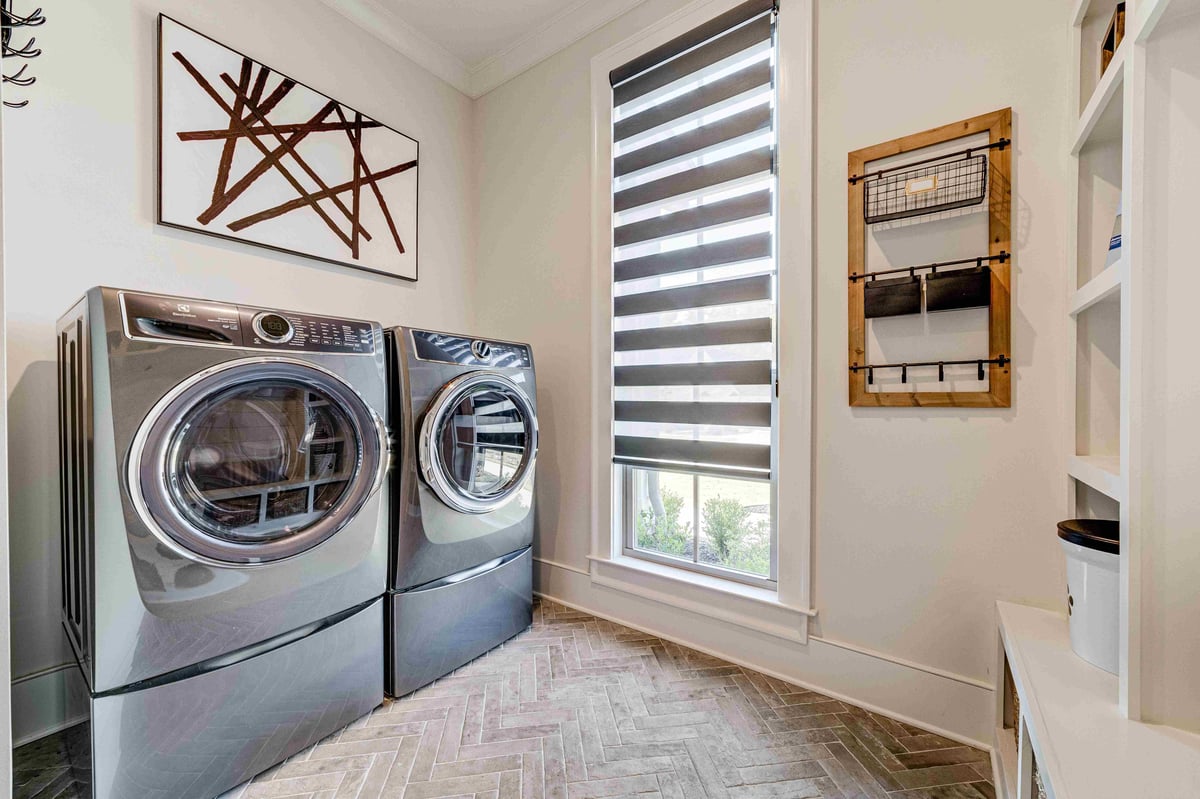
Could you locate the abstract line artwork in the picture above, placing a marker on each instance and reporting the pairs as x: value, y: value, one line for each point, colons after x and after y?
x: 249, y: 154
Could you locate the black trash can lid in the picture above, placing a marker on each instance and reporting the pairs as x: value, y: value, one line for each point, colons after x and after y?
x: 1102, y: 535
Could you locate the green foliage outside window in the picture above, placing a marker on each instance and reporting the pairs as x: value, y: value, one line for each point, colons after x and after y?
x: 729, y: 537
x: 665, y: 532
x: 736, y: 541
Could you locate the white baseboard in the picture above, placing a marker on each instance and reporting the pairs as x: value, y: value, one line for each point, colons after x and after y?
x: 46, y: 702
x: 953, y: 706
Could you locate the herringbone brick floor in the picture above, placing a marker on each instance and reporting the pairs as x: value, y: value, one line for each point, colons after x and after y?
x: 578, y: 707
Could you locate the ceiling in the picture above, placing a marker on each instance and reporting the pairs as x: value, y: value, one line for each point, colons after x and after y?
x: 475, y: 45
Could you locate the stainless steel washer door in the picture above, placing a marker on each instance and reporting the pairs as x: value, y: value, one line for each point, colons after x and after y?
x: 255, y: 461
x: 478, y: 442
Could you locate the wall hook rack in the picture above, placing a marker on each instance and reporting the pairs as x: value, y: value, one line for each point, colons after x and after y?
x: 999, y: 360
x: 933, y: 183
x: 1001, y: 257
x: 9, y: 21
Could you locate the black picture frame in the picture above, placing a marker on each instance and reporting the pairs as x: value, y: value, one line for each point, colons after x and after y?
x: 159, y: 134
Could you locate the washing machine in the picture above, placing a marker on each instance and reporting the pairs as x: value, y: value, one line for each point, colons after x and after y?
x: 224, y: 534
x: 464, y: 413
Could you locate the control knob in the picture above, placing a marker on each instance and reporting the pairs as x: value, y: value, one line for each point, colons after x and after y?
x: 273, y: 328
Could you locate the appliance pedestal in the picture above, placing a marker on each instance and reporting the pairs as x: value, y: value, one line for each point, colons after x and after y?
x: 196, y: 737
x: 434, y: 629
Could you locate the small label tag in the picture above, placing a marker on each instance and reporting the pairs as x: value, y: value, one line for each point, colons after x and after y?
x: 921, y: 185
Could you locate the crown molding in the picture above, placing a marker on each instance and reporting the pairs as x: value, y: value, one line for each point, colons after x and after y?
x: 407, y: 40
x: 561, y: 31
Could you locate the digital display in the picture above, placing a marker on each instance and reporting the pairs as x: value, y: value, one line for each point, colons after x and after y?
x: 275, y: 325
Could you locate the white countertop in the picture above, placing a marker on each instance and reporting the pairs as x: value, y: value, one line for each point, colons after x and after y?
x: 1084, y: 746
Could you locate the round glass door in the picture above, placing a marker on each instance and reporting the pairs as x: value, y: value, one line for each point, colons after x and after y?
x: 258, y: 463
x: 478, y: 442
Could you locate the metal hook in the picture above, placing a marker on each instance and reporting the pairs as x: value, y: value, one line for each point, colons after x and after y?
x: 16, y: 78
x: 870, y: 376
x: 980, y: 370
x: 14, y: 20
x: 28, y: 51
x: 941, y: 372
x: 904, y: 373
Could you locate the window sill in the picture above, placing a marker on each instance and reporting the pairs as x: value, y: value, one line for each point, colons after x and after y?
x: 743, y: 605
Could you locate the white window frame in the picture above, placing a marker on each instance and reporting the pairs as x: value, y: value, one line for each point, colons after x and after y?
x: 661, y: 580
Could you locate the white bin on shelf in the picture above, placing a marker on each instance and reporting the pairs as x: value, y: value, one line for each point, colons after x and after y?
x: 1092, y: 547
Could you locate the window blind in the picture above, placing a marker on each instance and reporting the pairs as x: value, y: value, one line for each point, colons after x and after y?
x: 694, y: 249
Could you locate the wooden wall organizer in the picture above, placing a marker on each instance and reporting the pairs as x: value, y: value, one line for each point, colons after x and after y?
x: 998, y: 126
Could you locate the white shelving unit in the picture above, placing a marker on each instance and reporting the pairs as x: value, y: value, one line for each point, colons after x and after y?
x: 1070, y: 727
x: 1085, y: 731
x: 1100, y: 315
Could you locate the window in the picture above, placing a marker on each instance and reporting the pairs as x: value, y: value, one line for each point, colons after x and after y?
x: 693, y: 297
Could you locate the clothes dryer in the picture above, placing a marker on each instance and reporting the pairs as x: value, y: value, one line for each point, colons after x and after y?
x: 465, y: 413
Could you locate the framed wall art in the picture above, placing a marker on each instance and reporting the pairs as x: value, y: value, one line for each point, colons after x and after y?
x: 249, y: 154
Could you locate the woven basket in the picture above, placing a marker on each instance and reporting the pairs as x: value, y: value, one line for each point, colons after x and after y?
x: 1037, y: 781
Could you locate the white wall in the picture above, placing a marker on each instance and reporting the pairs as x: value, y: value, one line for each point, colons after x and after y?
x: 5, y: 668
x: 79, y: 210
x: 922, y: 517
x: 962, y: 504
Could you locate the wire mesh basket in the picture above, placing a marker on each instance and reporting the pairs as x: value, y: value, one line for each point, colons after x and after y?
x: 957, y: 182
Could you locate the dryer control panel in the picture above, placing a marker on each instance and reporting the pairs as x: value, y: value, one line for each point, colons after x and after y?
x: 154, y: 317
x: 464, y: 351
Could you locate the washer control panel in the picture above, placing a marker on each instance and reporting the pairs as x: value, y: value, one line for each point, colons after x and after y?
x: 181, y: 320
x: 272, y: 327
x: 285, y: 330
x: 464, y: 351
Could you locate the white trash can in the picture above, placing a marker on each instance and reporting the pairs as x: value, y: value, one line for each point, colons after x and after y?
x: 1092, y: 547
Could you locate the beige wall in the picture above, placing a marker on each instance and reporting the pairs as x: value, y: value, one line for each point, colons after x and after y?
x: 923, y: 518
x: 79, y: 211
x: 963, y: 503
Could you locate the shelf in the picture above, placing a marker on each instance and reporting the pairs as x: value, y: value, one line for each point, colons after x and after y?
x: 1152, y: 13
x: 1101, y: 117
x: 1085, y: 748
x: 1101, y: 472
x: 1101, y: 287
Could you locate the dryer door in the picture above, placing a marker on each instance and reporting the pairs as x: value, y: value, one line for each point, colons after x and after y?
x: 478, y: 442
x: 255, y: 461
